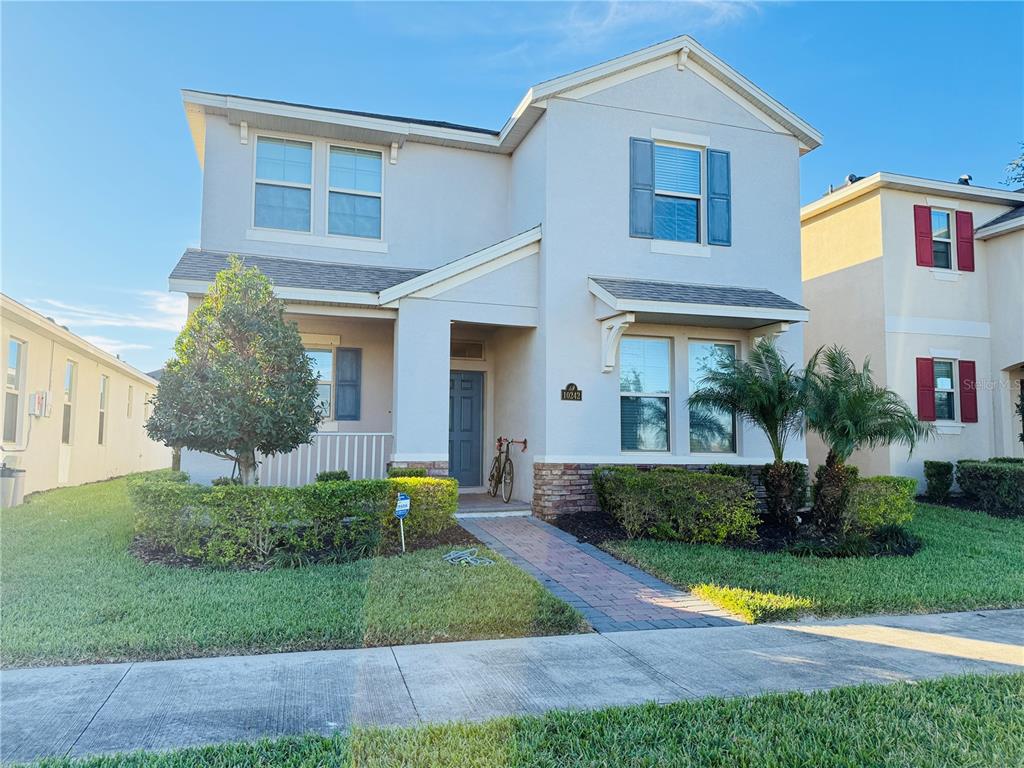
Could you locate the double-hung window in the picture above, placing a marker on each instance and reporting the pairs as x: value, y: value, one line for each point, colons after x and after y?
x: 354, y: 194
x: 942, y: 240
x: 945, y: 390
x: 711, y: 430
x: 70, y: 378
x: 322, y: 361
x: 101, y: 435
x: 644, y: 392
x: 677, y: 193
x: 284, y: 184
x: 14, y: 383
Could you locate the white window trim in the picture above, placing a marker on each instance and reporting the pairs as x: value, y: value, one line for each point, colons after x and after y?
x: 667, y: 246
x: 955, y: 389
x: 19, y: 386
x: 293, y: 184
x: 104, y: 393
x: 68, y: 399
x: 952, y: 268
x: 327, y: 197
x: 666, y: 396
x: 737, y: 351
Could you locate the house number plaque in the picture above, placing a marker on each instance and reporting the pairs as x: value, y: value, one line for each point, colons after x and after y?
x: 572, y: 392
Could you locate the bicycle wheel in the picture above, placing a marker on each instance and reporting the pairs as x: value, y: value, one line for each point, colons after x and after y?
x: 494, y: 478
x: 507, y: 478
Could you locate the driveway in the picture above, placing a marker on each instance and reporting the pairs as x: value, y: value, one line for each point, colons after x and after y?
x: 164, y: 704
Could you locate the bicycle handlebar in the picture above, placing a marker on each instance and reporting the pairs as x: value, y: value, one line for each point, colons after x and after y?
x: 502, y: 441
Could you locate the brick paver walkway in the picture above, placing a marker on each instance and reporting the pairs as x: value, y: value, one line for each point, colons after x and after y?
x: 612, y: 595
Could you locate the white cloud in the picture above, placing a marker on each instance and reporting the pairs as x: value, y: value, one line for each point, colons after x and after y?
x: 114, y: 346
x: 158, y: 312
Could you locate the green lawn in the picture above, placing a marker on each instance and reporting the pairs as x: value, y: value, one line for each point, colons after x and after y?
x: 969, y: 561
x: 967, y: 721
x: 72, y: 593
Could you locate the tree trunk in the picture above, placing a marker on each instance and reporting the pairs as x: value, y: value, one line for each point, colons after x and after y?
x: 247, y: 467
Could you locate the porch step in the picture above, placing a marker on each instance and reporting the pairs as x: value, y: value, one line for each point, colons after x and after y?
x: 514, y: 512
x: 472, y: 505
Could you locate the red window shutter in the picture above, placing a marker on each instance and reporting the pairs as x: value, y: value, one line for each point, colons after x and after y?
x: 968, y: 391
x: 925, y: 389
x: 923, y: 235
x: 965, y: 241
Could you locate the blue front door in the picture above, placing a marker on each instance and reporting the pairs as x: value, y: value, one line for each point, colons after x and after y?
x: 466, y: 427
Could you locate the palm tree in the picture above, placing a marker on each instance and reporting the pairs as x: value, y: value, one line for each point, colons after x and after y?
x: 771, y: 394
x: 850, y: 412
x: 763, y: 390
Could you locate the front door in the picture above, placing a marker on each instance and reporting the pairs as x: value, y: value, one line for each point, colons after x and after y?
x: 466, y: 427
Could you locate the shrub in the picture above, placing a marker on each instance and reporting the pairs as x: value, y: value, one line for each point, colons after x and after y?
x: 695, y: 507
x: 407, y: 472
x: 877, y: 502
x: 1008, y: 460
x: 249, y: 525
x: 831, y: 492
x: 785, y: 488
x: 225, y: 481
x: 939, y: 476
x: 994, y: 486
x: 331, y: 475
x: 732, y: 470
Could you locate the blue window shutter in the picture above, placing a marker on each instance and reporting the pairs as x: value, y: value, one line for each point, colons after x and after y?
x: 719, y: 198
x: 348, y: 370
x: 641, y: 188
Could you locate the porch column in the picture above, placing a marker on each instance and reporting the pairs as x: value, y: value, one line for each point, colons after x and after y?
x: 421, y: 375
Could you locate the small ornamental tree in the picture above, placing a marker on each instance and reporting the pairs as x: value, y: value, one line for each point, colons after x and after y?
x: 240, y: 380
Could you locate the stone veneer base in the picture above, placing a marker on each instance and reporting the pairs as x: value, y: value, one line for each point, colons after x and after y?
x: 566, y: 489
x: 434, y: 468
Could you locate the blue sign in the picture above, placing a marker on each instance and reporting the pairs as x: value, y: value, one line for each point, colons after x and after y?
x: 402, y: 506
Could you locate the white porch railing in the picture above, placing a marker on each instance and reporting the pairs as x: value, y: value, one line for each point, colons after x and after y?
x: 362, y: 454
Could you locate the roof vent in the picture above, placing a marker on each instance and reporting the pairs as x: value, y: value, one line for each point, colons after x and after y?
x: 965, y: 179
x: 852, y: 178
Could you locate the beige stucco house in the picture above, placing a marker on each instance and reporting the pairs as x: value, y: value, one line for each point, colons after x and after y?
x: 927, y: 278
x: 72, y: 413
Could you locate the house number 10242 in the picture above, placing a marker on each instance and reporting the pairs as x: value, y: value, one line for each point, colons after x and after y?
x: 572, y: 392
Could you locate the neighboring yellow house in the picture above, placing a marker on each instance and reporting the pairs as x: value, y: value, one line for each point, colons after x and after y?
x: 927, y: 278
x: 72, y: 413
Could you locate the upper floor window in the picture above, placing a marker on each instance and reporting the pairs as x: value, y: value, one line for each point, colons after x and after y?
x: 354, y: 195
x: 284, y: 184
x: 644, y: 393
x: 14, y: 384
x: 677, y: 193
x: 942, y: 240
x: 70, y: 377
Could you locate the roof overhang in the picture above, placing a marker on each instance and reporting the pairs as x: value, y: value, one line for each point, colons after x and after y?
x: 682, y: 51
x: 883, y: 180
x: 988, y: 232
x: 689, y: 313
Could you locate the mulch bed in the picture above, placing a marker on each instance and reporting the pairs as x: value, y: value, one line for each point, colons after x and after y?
x: 454, y: 537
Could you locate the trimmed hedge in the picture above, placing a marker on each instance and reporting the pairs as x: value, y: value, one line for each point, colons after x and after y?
x: 939, y: 476
x: 251, y: 525
x: 331, y: 475
x: 879, y: 502
x: 678, y: 505
x: 995, y: 486
x: 407, y: 472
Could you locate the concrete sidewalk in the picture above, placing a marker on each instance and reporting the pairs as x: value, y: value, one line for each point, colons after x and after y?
x: 159, y: 705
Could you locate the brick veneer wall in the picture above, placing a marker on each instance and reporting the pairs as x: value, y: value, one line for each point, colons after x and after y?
x: 434, y: 468
x: 566, y: 489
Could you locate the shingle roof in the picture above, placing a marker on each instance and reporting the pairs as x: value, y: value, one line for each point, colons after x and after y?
x: 1010, y: 215
x: 687, y: 293
x: 378, y: 115
x: 296, y: 273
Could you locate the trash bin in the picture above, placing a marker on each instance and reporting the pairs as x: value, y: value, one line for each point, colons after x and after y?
x: 12, y: 486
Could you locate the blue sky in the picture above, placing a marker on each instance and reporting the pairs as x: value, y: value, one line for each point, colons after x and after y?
x: 101, y: 187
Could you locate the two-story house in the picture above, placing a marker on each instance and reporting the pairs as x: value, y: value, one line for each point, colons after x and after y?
x: 565, y: 279
x: 927, y: 278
